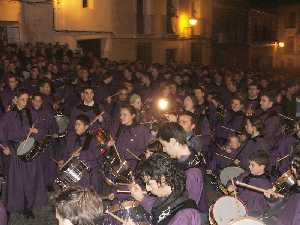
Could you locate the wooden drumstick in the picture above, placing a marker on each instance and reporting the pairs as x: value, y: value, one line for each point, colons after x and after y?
x: 128, y: 192
x: 134, y: 155
x: 56, y: 162
x: 115, y: 217
x: 258, y: 189
x: 77, y: 150
x: 283, y: 158
x: 117, y: 93
x: 96, y: 118
x: 224, y: 156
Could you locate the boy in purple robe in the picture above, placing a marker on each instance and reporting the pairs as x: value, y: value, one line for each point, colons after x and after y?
x: 26, y: 187
x: 255, y: 202
x: 255, y: 142
x: 89, y: 153
x: 9, y: 92
x: 166, y: 182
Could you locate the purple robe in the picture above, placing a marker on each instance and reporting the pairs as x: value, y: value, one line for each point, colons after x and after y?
x: 135, y: 138
x: 3, y: 215
x: 255, y: 202
x: 218, y: 163
x: 7, y: 96
x: 250, y: 146
x: 90, y: 154
x: 290, y: 214
x: 26, y: 187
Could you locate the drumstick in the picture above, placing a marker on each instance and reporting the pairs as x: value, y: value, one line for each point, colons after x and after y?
x: 116, y: 150
x: 117, y: 93
x: 134, y: 155
x: 54, y: 160
x: 126, y: 191
x: 224, y: 156
x: 79, y: 149
x: 96, y: 118
x: 258, y: 189
x: 232, y: 130
x: 284, y: 157
x: 115, y: 217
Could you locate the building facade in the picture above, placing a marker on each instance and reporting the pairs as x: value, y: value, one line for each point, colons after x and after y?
x: 288, y: 57
x: 149, y: 30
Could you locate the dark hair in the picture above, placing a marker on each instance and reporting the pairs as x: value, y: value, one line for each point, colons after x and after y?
x: 37, y: 94
x: 155, y: 147
x: 193, y: 98
x: 86, y: 87
x: 256, y: 122
x: 130, y: 108
x: 191, y: 115
x: 21, y: 91
x: 161, y: 165
x: 83, y: 118
x: 43, y: 82
x: 172, y: 130
x: 82, y: 206
x: 261, y: 157
x: 254, y: 84
x: 271, y: 95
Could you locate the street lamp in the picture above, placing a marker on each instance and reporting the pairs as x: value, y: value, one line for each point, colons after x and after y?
x: 193, y: 21
x: 281, y: 44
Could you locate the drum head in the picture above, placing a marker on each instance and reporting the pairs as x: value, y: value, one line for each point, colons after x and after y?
x: 25, y: 146
x: 227, y: 209
x: 62, y: 123
x: 229, y: 173
x: 247, y: 221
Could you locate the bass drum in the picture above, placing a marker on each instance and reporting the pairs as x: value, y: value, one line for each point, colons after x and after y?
x: 127, y: 210
x: 225, y: 210
x: 247, y: 221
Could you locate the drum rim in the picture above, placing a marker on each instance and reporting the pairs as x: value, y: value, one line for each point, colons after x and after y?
x: 237, y: 199
x: 246, y: 217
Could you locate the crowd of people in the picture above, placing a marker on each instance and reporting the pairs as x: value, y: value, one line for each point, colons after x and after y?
x: 176, y: 127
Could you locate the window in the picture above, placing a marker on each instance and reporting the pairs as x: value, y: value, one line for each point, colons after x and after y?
x: 290, y: 20
x: 85, y: 3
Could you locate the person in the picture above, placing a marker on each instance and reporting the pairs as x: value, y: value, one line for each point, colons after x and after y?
x: 287, y: 212
x: 78, y: 206
x: 173, y: 139
x: 89, y: 152
x: 254, y: 142
x: 26, y: 187
x: 255, y: 202
x: 128, y: 134
x: 166, y: 182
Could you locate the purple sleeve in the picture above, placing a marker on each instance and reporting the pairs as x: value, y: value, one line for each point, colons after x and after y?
x: 186, y: 217
x: 147, y: 203
x: 194, y: 184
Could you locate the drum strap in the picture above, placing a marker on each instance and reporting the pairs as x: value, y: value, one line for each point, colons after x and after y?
x: 162, y: 215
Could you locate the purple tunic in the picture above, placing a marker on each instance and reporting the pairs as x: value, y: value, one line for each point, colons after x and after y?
x: 26, y: 187
x: 3, y: 215
x: 255, y: 202
x: 290, y: 214
x: 7, y: 97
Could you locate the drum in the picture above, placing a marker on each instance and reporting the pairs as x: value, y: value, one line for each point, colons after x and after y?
x: 72, y: 173
x: 128, y: 210
x: 247, y: 221
x: 229, y: 173
x: 62, y: 123
x: 225, y: 210
x: 28, y: 149
x: 284, y: 183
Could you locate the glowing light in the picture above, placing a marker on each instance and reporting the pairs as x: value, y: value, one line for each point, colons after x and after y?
x: 183, y: 22
x: 193, y: 21
x: 163, y: 104
x: 281, y: 44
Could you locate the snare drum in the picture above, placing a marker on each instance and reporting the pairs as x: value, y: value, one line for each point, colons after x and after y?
x: 247, y: 221
x: 128, y: 210
x: 28, y: 149
x: 229, y: 173
x: 225, y: 210
x: 72, y: 173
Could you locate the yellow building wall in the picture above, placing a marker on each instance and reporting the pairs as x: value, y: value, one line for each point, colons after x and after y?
x: 10, y: 11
